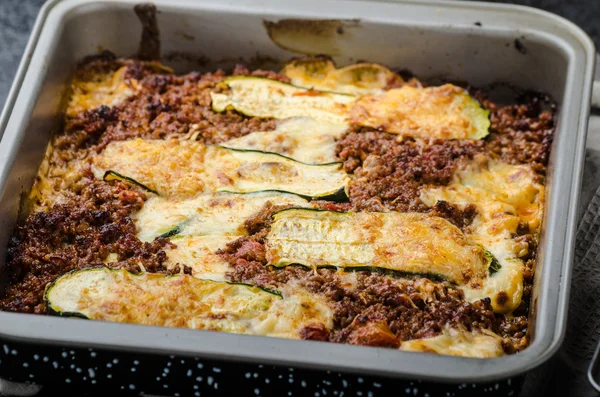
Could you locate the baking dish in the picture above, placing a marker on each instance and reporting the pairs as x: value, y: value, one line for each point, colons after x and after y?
x: 476, y: 42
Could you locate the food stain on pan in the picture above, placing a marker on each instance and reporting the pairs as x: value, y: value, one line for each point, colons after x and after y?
x: 200, y: 60
x: 186, y: 59
x: 519, y: 46
x: 311, y: 36
x: 149, y: 48
x: 262, y: 61
x: 184, y: 35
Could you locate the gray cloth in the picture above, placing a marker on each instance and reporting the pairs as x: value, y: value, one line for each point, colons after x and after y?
x: 16, y: 20
x: 583, y: 330
x: 18, y: 389
x: 566, y: 374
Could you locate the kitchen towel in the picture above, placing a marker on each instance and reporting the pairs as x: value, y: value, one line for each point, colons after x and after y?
x: 566, y: 373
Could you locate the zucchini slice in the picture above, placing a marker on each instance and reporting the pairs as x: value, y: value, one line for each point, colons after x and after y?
x: 203, y: 225
x: 183, y: 169
x: 402, y: 242
x: 115, y: 176
x: 259, y: 171
x: 182, y: 301
x: 206, y: 214
x: 266, y: 98
x: 155, y: 299
x: 444, y: 112
x: 300, y: 138
x: 357, y: 79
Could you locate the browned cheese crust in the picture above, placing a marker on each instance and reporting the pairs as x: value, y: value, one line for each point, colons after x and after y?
x: 93, y: 218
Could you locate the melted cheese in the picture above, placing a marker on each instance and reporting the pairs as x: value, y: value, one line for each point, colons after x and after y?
x: 56, y: 177
x: 445, y: 112
x: 458, y: 342
x: 54, y: 183
x: 298, y: 306
x: 183, y: 301
x: 405, y: 242
x: 504, y: 196
x: 357, y: 79
x: 203, y: 225
x: 187, y: 175
x: 199, y: 253
x: 182, y: 169
x: 206, y: 214
x: 259, y: 97
x: 108, y: 89
x: 300, y: 138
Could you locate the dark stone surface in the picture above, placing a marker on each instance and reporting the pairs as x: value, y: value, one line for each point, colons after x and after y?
x: 16, y: 20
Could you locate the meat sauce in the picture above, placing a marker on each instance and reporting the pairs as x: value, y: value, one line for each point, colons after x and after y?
x: 92, y: 226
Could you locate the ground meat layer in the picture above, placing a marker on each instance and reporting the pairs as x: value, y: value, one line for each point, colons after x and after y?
x: 167, y: 106
x: 76, y: 235
x: 376, y: 309
x: 93, y: 221
x: 389, y: 171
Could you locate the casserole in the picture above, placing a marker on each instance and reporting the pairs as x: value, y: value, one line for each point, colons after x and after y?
x: 154, y: 173
x: 568, y: 81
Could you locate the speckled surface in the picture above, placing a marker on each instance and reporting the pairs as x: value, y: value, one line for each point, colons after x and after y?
x: 73, y: 370
x: 16, y: 20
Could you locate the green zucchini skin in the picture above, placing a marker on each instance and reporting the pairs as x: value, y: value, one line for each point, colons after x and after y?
x: 493, y: 267
x: 399, y: 274
x: 368, y: 110
x: 113, y: 175
x: 173, y: 232
x: 310, y: 181
x: 278, y: 155
x: 374, y: 269
x: 387, y: 272
x: 352, y: 240
x: 494, y: 263
x: 269, y: 290
x: 296, y: 107
x: 340, y: 196
x: 49, y: 287
x: 53, y: 311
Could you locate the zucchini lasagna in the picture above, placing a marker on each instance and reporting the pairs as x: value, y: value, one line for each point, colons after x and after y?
x: 344, y: 204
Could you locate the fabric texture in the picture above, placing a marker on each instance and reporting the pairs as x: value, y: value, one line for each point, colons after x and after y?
x: 566, y: 373
x: 18, y: 389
